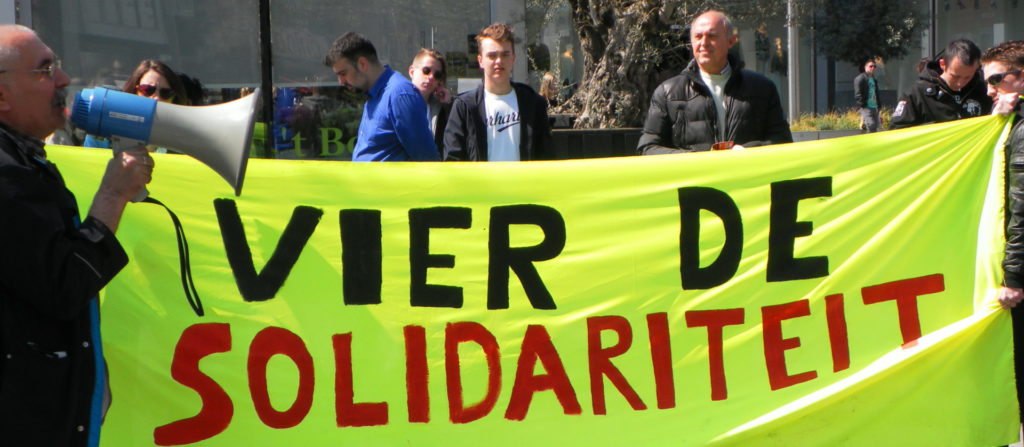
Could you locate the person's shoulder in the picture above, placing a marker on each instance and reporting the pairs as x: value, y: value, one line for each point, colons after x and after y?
x: 677, y: 81
x: 925, y: 87
x: 469, y: 97
x: 753, y: 76
x: 757, y: 81
x: 524, y: 89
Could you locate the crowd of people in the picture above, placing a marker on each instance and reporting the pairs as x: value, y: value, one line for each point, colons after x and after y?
x: 53, y: 380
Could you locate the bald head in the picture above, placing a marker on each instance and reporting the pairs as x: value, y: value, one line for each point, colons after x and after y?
x: 715, y: 17
x: 12, y: 38
x: 711, y: 36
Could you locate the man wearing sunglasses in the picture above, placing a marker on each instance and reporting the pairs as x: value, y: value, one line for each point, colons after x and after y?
x: 1002, y: 65
x: 427, y: 74
x: 394, y: 125
x: 948, y: 89
x: 53, y: 380
x: 500, y: 120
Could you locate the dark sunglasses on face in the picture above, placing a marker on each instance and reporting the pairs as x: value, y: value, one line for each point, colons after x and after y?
x: 149, y: 89
x: 998, y: 78
x: 438, y: 74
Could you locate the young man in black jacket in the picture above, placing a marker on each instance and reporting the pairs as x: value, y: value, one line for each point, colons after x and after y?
x: 53, y: 381
x: 1002, y: 65
x: 501, y: 120
x: 714, y: 100
x: 948, y: 89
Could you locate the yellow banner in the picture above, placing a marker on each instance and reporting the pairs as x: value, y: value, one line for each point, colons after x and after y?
x: 834, y: 292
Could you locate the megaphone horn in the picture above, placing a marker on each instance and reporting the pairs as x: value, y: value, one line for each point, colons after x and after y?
x: 217, y: 135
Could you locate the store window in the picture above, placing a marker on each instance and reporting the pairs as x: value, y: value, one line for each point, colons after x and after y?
x: 553, y: 49
x: 313, y: 116
x: 217, y: 42
x: 101, y: 42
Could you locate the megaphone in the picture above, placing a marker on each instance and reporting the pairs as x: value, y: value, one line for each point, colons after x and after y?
x: 217, y: 135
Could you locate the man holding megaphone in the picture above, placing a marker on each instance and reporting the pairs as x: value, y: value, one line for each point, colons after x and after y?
x: 53, y: 379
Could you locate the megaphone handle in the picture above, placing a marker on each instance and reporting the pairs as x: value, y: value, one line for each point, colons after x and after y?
x: 121, y: 144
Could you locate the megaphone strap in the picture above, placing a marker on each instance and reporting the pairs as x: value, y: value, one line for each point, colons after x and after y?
x: 187, y: 284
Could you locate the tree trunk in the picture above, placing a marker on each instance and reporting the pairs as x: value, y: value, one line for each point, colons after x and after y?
x: 619, y: 59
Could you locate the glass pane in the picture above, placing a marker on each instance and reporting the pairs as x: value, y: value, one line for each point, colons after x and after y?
x: 102, y: 41
x: 310, y: 110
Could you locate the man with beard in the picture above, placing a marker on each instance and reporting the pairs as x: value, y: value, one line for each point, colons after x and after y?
x: 394, y: 125
x: 53, y: 379
x: 948, y: 89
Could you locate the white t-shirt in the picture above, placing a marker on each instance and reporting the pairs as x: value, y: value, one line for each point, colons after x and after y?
x: 502, y: 126
x: 716, y: 83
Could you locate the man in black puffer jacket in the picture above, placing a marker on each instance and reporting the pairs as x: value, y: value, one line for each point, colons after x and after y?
x: 685, y: 110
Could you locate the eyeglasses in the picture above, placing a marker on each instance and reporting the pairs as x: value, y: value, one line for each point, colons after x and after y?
x: 998, y: 78
x: 438, y: 74
x: 48, y: 70
x: 149, y: 89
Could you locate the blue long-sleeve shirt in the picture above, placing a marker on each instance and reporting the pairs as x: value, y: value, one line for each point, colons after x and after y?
x: 394, y: 125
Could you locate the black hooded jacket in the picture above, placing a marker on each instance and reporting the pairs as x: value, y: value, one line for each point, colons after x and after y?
x: 932, y: 101
x: 683, y: 117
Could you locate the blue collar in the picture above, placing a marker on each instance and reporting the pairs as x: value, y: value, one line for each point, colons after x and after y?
x: 381, y: 82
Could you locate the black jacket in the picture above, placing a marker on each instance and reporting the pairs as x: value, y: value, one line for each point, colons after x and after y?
x: 1013, y: 259
x: 465, y: 136
x: 683, y: 117
x: 442, y: 122
x: 50, y: 272
x: 861, y: 90
x: 932, y: 101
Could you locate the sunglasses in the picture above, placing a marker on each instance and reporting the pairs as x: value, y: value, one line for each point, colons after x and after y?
x: 149, y: 89
x: 998, y: 78
x: 438, y: 74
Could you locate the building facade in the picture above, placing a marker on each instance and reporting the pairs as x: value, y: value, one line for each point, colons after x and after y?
x: 235, y: 45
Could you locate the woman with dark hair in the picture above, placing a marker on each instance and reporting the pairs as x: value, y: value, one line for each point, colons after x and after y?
x: 152, y: 79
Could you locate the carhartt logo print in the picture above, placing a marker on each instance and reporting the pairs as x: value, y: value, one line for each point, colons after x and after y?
x: 502, y: 122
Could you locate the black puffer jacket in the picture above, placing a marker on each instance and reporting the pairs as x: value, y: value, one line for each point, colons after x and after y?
x: 683, y: 117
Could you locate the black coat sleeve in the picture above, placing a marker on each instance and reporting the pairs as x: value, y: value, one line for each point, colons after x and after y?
x: 542, y: 133
x: 905, y: 114
x: 442, y: 122
x: 455, y: 132
x: 657, y: 135
x: 1013, y: 259
x: 860, y: 90
x: 55, y: 267
x: 776, y: 130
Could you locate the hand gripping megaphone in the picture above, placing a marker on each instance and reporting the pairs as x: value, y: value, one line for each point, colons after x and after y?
x: 217, y: 135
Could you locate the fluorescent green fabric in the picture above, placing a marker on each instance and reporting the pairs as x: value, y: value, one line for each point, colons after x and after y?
x: 922, y: 207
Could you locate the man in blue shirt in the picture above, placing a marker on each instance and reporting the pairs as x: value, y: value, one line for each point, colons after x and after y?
x: 394, y: 125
